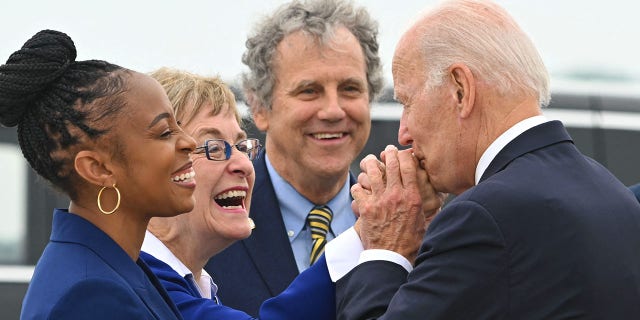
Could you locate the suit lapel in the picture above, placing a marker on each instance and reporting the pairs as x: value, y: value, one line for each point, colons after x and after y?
x: 268, y: 247
x: 78, y: 230
x: 159, y: 306
x: 540, y: 136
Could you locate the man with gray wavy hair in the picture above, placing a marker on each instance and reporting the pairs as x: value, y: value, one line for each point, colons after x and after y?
x: 313, y: 72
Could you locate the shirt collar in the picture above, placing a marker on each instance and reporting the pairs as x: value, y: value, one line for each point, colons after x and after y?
x: 497, y: 145
x: 153, y: 246
x: 295, y: 207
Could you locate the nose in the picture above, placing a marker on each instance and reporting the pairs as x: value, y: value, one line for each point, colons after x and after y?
x: 186, y: 143
x: 331, y: 109
x: 239, y: 163
x: 404, y: 137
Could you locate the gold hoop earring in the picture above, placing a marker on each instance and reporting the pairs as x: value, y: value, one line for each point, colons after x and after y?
x: 117, y: 202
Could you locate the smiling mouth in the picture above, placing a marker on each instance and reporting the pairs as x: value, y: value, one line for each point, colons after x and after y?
x: 233, y: 199
x: 324, y: 136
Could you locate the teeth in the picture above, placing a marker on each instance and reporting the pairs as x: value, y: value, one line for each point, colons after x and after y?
x: 232, y: 194
x: 327, y: 135
x: 184, y: 176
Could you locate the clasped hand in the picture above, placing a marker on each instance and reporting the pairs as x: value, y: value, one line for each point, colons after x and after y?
x: 394, y: 201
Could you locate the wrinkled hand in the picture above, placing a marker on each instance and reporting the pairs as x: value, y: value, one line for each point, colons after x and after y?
x: 394, y: 201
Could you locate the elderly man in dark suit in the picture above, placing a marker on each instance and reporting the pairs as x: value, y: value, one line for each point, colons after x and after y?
x: 537, y: 230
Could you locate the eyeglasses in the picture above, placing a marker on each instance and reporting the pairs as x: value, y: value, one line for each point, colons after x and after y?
x: 220, y: 150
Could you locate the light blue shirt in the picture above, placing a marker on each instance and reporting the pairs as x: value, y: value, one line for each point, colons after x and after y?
x: 295, y: 208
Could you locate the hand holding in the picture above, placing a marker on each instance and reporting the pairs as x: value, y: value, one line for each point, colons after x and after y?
x: 389, y: 200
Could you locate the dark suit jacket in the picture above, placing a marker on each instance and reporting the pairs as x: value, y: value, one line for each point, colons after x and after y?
x: 636, y: 190
x: 262, y: 266
x: 546, y: 234
x: 84, y: 274
x: 311, y: 296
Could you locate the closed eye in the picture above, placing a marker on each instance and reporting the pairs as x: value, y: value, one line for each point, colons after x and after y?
x: 167, y: 133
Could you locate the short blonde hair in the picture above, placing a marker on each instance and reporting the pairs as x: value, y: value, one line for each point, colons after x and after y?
x: 185, y: 88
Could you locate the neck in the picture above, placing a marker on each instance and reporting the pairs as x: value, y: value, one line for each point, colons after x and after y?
x: 502, y: 114
x: 317, y: 189
x: 183, y: 242
x: 125, y: 228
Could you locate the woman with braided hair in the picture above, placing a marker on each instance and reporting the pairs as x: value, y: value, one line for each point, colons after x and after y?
x: 107, y: 137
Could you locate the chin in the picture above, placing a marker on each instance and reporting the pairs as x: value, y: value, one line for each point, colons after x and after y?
x: 239, y: 234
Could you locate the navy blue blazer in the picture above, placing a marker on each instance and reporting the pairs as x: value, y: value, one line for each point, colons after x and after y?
x: 262, y: 266
x: 311, y: 296
x: 546, y: 234
x: 84, y: 274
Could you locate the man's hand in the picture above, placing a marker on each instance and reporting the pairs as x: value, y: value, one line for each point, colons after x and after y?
x: 394, y: 201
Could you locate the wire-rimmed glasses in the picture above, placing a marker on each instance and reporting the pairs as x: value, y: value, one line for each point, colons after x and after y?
x: 220, y: 150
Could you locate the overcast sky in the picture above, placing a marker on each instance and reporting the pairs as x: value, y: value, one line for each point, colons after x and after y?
x: 207, y: 37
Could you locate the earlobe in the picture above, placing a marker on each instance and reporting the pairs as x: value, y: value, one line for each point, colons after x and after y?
x: 90, y: 166
x: 465, y: 89
x: 258, y: 111
x: 261, y: 118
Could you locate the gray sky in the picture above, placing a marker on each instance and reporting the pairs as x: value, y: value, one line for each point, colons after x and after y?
x: 207, y: 37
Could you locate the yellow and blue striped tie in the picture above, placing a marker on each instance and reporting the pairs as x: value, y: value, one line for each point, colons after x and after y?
x: 319, y: 222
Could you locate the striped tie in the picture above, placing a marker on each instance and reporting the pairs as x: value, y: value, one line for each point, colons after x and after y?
x: 319, y: 221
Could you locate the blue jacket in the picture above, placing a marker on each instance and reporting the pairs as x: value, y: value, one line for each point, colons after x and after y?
x: 546, y: 234
x: 84, y: 274
x: 311, y: 296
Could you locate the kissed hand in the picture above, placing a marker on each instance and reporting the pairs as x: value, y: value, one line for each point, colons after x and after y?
x: 394, y: 201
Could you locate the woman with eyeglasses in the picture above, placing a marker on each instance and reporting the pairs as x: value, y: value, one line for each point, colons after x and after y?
x: 177, y: 248
x: 106, y: 136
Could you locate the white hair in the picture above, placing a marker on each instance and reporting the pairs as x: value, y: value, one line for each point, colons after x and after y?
x: 483, y: 36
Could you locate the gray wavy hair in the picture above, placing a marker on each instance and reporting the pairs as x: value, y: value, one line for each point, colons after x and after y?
x: 482, y: 35
x: 318, y: 18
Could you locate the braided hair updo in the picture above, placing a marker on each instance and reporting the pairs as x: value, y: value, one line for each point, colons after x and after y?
x: 58, y: 103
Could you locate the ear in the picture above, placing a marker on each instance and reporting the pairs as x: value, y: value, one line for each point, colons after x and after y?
x: 259, y: 113
x: 261, y: 118
x: 463, y: 88
x: 91, y: 166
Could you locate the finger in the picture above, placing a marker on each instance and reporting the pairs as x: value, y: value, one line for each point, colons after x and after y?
x: 408, y: 164
x: 357, y: 192
x: 363, y: 180
x: 375, y: 177
x: 382, y: 156
x: 355, y: 208
x: 364, y: 160
x: 392, y: 166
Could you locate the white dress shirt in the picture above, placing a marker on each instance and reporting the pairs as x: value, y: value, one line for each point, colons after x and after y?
x: 153, y: 246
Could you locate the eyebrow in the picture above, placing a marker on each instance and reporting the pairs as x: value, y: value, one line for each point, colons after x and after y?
x: 241, y: 135
x: 207, y: 131
x: 353, y: 80
x: 301, y: 84
x: 158, y: 118
x: 215, y: 132
x: 306, y: 83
